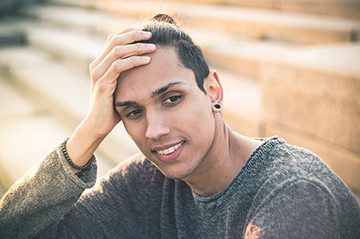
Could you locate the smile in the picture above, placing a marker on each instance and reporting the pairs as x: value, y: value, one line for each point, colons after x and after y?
x: 170, y: 150
x: 169, y: 154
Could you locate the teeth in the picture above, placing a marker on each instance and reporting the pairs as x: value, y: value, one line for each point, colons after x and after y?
x: 169, y: 150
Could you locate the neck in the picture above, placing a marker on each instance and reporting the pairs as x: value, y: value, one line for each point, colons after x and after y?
x: 228, y: 153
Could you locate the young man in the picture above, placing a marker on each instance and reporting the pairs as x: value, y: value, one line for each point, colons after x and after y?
x: 195, y: 178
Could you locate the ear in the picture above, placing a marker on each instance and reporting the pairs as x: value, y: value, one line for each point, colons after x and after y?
x: 213, y: 87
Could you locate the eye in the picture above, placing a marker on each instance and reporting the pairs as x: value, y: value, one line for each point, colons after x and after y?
x: 134, y: 114
x: 172, y: 100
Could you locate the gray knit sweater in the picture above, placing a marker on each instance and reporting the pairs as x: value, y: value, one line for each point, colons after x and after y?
x: 282, y: 192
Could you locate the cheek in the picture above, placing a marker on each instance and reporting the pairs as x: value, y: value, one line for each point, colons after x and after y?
x: 136, y: 131
x: 199, y: 124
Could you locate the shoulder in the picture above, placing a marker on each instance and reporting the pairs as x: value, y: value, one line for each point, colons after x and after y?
x: 289, y: 165
x: 285, y: 153
x: 297, y: 185
x: 300, y: 207
x: 290, y: 162
x: 277, y: 162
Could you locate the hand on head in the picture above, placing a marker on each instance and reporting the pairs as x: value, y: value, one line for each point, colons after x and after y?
x: 122, y: 52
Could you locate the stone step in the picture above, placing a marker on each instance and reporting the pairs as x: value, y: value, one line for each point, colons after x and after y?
x: 311, y: 97
x: 242, y: 103
x: 9, y: 35
x: 238, y: 55
x: 39, y: 132
x: 319, y: 88
x: 62, y: 91
x: 243, y: 56
x: 70, y: 46
x: 78, y: 19
x: 13, y: 103
x: 256, y: 24
x: 336, y: 8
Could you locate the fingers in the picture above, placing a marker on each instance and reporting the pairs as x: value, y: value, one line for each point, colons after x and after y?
x: 121, y: 52
x: 119, y: 66
x: 124, y: 37
x: 122, y: 32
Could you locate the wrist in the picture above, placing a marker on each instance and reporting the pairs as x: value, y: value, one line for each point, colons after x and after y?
x: 75, y: 167
x: 82, y: 145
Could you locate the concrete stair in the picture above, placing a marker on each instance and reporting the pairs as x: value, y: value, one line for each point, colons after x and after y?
x: 279, y: 70
x: 336, y: 8
x: 252, y: 23
x: 38, y: 132
x: 319, y: 88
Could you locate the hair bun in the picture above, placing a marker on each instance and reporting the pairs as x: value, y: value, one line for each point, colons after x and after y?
x: 162, y: 17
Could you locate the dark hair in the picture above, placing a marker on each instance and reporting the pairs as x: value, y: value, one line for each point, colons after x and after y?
x: 165, y: 32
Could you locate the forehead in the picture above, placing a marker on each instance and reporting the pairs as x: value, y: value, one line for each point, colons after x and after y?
x: 164, y: 68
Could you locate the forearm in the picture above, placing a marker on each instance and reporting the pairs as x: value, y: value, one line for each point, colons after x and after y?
x: 42, y: 197
x: 82, y: 145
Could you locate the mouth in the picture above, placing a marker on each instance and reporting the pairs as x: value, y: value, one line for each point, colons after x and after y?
x: 169, y: 153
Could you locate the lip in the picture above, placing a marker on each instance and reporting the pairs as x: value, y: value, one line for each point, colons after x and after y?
x: 165, y: 146
x: 169, y: 157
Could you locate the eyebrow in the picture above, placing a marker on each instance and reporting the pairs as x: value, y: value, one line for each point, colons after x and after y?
x: 125, y: 103
x: 165, y: 88
x: 155, y: 93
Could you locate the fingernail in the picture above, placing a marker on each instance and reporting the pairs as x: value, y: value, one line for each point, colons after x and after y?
x: 151, y: 45
x: 146, y: 58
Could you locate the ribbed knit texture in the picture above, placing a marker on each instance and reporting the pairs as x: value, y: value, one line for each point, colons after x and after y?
x: 281, y: 192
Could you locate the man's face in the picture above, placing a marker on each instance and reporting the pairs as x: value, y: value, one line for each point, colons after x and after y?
x: 166, y: 114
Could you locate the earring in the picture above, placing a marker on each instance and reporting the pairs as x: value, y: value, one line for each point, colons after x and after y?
x: 217, y: 106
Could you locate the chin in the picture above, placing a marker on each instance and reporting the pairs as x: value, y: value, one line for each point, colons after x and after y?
x: 179, y: 170
x: 177, y: 174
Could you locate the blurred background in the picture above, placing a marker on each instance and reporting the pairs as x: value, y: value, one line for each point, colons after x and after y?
x: 289, y: 68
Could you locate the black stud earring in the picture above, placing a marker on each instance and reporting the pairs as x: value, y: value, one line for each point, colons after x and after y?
x: 217, y: 106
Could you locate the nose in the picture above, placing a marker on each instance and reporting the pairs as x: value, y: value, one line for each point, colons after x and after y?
x: 156, y: 127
